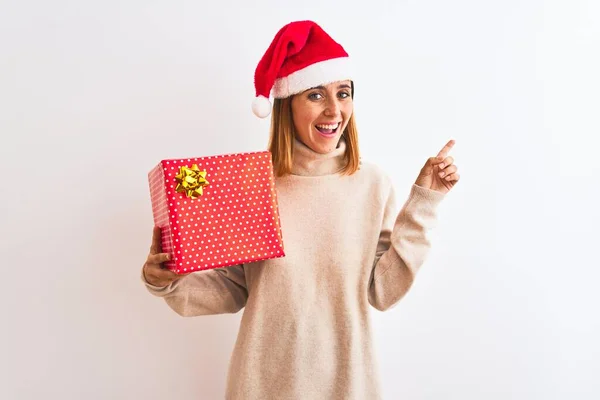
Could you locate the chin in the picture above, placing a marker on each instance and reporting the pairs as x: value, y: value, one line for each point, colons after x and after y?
x: 325, y: 145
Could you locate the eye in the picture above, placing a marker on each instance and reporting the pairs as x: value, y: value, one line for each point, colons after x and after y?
x: 344, y: 95
x: 314, y: 96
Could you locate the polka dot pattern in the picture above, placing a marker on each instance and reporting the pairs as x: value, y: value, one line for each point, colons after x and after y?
x: 235, y: 221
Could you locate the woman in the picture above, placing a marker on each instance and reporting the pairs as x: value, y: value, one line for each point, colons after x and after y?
x: 305, y: 332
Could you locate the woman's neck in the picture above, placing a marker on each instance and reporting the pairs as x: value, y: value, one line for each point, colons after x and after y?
x: 308, y: 162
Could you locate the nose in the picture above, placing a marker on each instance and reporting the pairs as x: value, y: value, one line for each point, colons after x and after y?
x: 332, y: 108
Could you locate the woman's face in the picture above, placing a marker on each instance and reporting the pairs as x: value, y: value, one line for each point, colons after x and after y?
x: 321, y: 115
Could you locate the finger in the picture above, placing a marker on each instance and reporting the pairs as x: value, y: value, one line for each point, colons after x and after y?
x: 158, y: 258
x: 447, y: 161
x: 168, y: 276
x: 453, y: 177
x: 446, y: 149
x: 155, y: 248
x: 447, y: 171
x: 430, y: 163
x: 165, y: 275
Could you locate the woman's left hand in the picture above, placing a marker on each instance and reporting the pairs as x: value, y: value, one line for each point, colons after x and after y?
x: 439, y: 173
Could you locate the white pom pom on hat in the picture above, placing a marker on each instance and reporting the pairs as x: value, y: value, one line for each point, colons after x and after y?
x: 301, y: 56
x: 261, y: 106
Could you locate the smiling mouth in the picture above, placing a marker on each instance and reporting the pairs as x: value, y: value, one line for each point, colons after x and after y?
x: 328, y: 129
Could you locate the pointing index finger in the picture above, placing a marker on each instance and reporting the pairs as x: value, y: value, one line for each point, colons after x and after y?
x: 446, y: 149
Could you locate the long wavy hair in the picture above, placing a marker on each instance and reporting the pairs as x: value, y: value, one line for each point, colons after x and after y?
x: 281, y: 140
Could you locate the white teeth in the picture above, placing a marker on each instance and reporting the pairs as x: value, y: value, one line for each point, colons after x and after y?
x: 332, y: 127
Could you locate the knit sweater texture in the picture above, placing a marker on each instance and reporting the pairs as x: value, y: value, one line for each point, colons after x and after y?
x: 305, y: 330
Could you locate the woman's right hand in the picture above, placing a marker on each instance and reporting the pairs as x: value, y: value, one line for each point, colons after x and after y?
x: 154, y: 271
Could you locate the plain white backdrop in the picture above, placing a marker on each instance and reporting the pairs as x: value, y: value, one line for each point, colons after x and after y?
x: 94, y: 94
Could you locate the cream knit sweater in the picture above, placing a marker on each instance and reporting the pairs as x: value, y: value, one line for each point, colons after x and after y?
x: 305, y: 331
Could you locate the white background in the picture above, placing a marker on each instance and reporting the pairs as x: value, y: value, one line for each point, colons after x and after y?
x: 94, y: 94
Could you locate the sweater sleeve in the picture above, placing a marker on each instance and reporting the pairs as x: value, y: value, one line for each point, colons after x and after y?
x: 403, y: 245
x: 209, y: 292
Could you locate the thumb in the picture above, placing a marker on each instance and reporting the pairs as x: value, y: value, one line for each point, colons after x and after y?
x: 431, y: 162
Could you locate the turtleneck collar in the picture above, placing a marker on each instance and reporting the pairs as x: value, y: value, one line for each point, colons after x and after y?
x: 307, y: 162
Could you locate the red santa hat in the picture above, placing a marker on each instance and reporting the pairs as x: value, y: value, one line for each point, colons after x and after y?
x: 301, y: 56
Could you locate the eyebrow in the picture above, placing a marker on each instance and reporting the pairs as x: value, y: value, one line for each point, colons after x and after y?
x: 342, y: 86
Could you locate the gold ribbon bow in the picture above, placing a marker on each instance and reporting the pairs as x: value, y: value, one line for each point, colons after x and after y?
x: 191, y: 181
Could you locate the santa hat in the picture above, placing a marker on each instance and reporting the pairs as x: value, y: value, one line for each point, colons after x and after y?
x: 301, y: 56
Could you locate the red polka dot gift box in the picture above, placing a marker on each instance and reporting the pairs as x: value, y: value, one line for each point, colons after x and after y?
x: 216, y: 211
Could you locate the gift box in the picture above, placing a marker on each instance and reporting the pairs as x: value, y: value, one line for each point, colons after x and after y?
x: 216, y: 211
